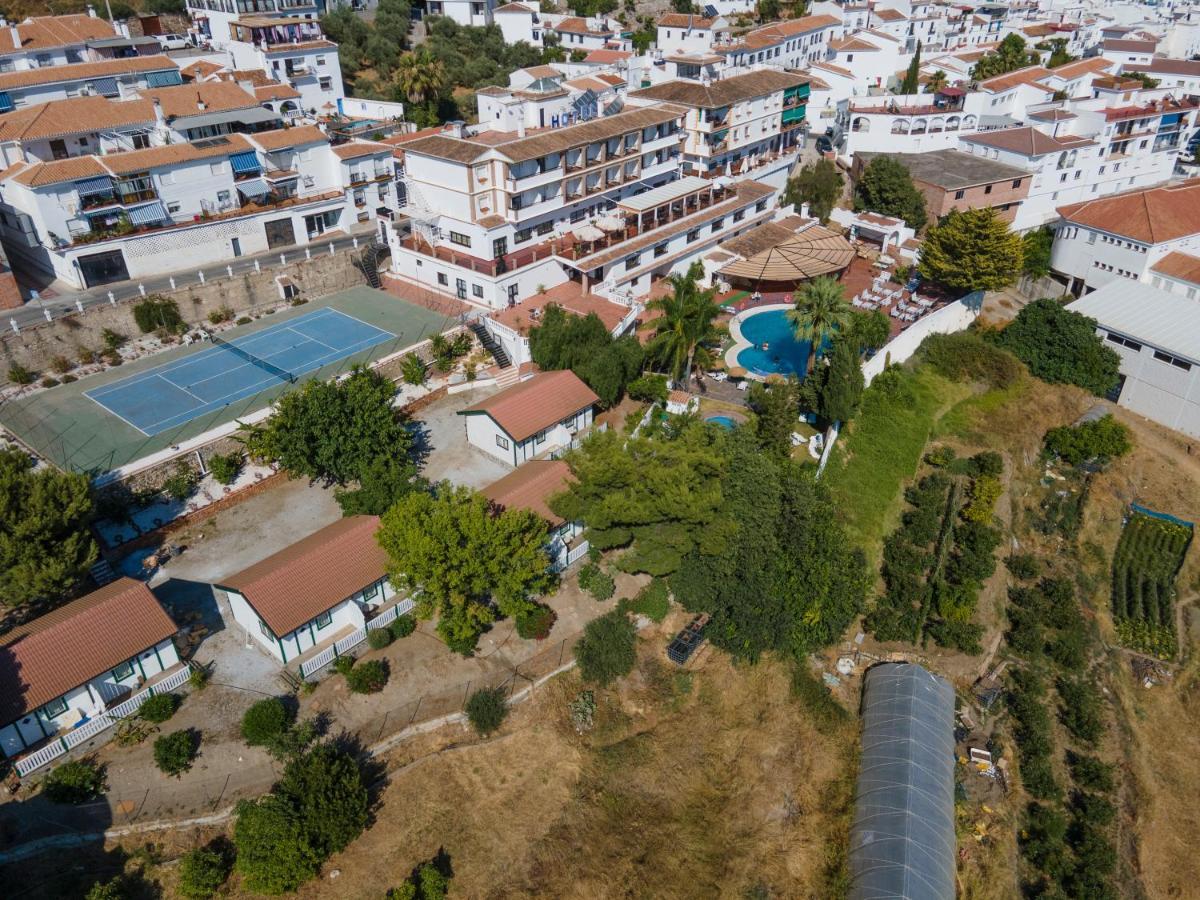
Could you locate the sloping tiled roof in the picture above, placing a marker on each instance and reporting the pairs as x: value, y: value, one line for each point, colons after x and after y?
x: 1181, y: 266
x: 42, y: 660
x: 1151, y: 216
x: 72, y: 116
x: 43, y: 32
x: 514, y: 8
x: 576, y: 25
x: 1166, y: 67
x: 282, y: 138
x: 40, y: 174
x: 275, y: 92
x: 683, y: 20
x: 545, y: 399
x: 568, y: 295
x: 1028, y: 141
x: 355, y: 149
x: 201, y: 68
x: 201, y: 97
x: 302, y: 581
x: 1131, y: 46
x: 173, y: 154
x: 1072, y: 70
x: 724, y: 91
x: 1028, y: 75
x: 770, y: 35
x: 607, y: 57
x: 82, y: 71
x: 531, y: 486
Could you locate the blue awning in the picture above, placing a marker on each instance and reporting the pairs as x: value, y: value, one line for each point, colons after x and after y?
x: 253, y: 188
x: 150, y: 214
x: 6, y: 104
x: 163, y: 79
x: 92, y: 186
x: 245, y: 163
x: 106, y: 87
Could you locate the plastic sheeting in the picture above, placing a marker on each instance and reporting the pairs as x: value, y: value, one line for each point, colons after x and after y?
x: 902, y: 840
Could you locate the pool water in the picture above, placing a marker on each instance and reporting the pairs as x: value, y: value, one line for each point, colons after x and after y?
x: 785, y: 355
x: 723, y: 421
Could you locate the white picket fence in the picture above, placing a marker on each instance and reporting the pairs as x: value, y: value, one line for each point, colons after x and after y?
x: 101, y: 722
x: 352, y: 640
x: 573, y: 556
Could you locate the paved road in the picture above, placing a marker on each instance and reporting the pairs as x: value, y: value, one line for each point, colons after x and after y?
x: 68, y: 302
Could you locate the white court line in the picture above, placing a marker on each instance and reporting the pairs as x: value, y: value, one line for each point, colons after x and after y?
x: 361, y: 322
x: 119, y: 416
x: 311, y: 340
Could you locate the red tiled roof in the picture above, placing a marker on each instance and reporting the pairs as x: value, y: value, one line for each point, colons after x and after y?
x: 607, y: 56
x: 683, y: 20
x: 1028, y: 141
x: 1131, y: 46
x: 1028, y: 75
x: 531, y: 486
x: 1166, y: 67
x: 302, y: 581
x: 1181, y: 266
x: 523, y: 316
x: 1151, y: 216
x: 42, y: 660
x: 545, y: 399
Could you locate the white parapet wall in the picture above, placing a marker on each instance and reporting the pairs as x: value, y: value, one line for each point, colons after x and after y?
x: 956, y: 316
x: 357, y: 108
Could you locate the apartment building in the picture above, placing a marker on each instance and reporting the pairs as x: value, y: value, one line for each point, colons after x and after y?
x: 293, y: 52
x: 495, y: 216
x: 911, y: 123
x: 107, y: 78
x: 214, y: 18
x: 1124, y: 236
x: 42, y: 42
x: 519, y: 23
x: 785, y: 45
x: 687, y: 33
x: 92, y: 220
x: 739, y: 122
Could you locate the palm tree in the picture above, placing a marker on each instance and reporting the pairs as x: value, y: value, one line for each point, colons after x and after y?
x: 419, y: 75
x: 685, y: 327
x: 936, y: 82
x: 821, y: 309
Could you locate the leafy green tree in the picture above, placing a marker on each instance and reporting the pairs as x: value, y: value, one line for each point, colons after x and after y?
x: 113, y: 889
x: 820, y: 310
x: 174, y: 752
x: 685, y: 331
x: 1011, y: 54
x: 937, y: 81
x: 649, y: 389
x: 1061, y: 347
x: 608, y: 649
x: 419, y: 75
x: 972, y: 250
x: 273, y: 853
x: 843, y: 384
x: 75, y: 781
x: 776, y: 412
x: 912, y: 77
x: 45, y: 545
x: 658, y: 494
x: 265, y: 721
x: 486, y: 710
x: 464, y: 556
x: 868, y: 330
x: 583, y: 344
x: 157, y: 312
x: 1036, y: 245
x: 385, y: 480
x: 768, y: 10
x: 1059, y: 56
x: 1104, y: 438
x: 332, y: 431
x: 886, y: 187
x: 428, y: 883
x: 819, y: 184
x: 202, y: 872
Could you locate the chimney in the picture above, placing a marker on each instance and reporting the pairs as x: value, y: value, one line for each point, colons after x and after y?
x: 91, y: 11
x: 16, y: 36
x: 521, y: 122
x: 200, y: 104
x: 159, y: 119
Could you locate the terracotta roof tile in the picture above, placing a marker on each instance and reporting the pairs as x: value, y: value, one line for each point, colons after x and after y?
x: 72, y: 116
x: 1028, y: 141
x: 770, y: 35
x: 282, y: 138
x: 514, y: 8
x: 1166, y: 67
x: 201, y: 68
x: 302, y: 581
x: 1131, y: 46
x: 201, y: 97
x: 524, y: 315
x: 276, y: 92
x: 531, y: 486
x: 1009, y: 80
x: 576, y: 25
x: 1072, y: 70
x: 1181, y: 266
x: 1151, y: 216
x: 526, y: 408
x: 172, y: 154
x: 40, y: 174
x: 607, y: 57
x: 724, y: 91
x: 43, y: 32
x: 43, y: 659
x: 84, y: 71
x: 355, y: 149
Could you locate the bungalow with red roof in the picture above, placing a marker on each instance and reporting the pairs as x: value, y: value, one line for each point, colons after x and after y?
x: 319, y: 590
x: 532, y: 418
x: 62, y: 670
x: 531, y: 487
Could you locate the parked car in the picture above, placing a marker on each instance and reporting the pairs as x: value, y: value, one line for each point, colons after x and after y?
x: 174, y: 41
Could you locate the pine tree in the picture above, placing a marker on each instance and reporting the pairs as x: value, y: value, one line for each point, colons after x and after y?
x: 843, y: 387
x: 972, y: 250
x: 912, y: 78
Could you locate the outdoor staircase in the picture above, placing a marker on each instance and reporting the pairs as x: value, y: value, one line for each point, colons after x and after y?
x: 490, y: 344
x: 367, y: 262
x: 102, y: 573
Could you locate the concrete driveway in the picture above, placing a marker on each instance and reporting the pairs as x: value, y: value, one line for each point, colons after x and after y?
x: 442, y: 438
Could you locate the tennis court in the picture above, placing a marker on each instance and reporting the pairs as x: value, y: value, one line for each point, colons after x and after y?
x: 170, y: 395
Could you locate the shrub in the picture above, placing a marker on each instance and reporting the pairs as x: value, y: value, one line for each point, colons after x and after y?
x: 343, y: 664
x: 69, y: 379
x: 1024, y: 566
x: 596, y: 581
x: 1081, y: 711
x: 200, y: 676
x: 243, y: 320
x: 985, y: 490
x: 966, y: 356
x: 368, y: 677
x: 535, y: 624
x: 156, y: 313
x: 265, y: 721
x: 112, y: 340
x: 486, y: 710
x: 1103, y: 439
x: 378, y: 638
x: 652, y: 601
x: 225, y: 467
x: 1061, y: 347
x: 173, y: 753
x: 182, y: 482
x: 403, y: 626
x: 827, y: 713
x: 201, y: 873
x: 160, y: 707
x: 940, y: 457
x: 76, y: 781
x: 648, y: 388
x: 220, y: 314
x: 18, y: 374
x: 989, y: 464
x: 608, y: 648
x: 1089, y: 773
x: 413, y: 369
x: 49, y: 382
x: 87, y: 356
x: 108, y: 890
x: 60, y: 364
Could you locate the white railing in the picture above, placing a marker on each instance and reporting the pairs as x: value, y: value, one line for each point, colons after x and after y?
x: 573, y: 556
x: 101, y: 722
x: 350, y: 641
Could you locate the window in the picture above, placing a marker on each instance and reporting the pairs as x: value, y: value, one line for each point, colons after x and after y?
x: 477, y: 290
x: 222, y: 196
x: 1016, y: 182
x: 326, y: 83
x: 545, y: 228
x: 266, y: 632
x: 442, y: 279
x: 987, y: 189
x: 462, y: 240
x: 660, y: 250
x: 1091, y: 237
x: 693, y: 235
x: 632, y: 262
x: 540, y: 437
x: 523, y: 235
x: 502, y: 442
x: 1124, y: 342
x: 958, y: 195
x: 1171, y: 360
x: 174, y: 207
x: 371, y: 591
x: 55, y: 708
x: 123, y: 671
x: 324, y: 620
x: 320, y: 60
x: 718, y: 224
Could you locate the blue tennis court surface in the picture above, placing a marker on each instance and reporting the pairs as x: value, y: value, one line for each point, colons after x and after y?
x: 172, y: 394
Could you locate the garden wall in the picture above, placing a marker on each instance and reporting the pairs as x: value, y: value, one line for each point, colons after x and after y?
x: 956, y: 316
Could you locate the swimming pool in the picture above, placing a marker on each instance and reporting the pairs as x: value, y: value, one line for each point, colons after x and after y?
x: 723, y: 421
x: 783, y: 353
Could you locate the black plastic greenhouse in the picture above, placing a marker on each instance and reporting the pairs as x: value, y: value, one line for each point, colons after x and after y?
x: 902, y: 840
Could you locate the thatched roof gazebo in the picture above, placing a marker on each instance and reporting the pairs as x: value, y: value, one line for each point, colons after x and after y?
x: 776, y: 257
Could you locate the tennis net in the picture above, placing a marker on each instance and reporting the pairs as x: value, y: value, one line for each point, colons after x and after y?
x: 282, y: 374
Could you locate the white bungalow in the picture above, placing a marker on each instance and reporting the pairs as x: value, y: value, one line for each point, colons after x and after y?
x: 62, y: 670
x: 314, y: 592
x: 532, y: 418
x: 531, y: 487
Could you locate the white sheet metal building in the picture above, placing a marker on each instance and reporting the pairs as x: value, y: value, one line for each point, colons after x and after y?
x: 1157, y: 335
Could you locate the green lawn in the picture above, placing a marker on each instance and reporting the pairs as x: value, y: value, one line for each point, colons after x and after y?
x: 882, y: 448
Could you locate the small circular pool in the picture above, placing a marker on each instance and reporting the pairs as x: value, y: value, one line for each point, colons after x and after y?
x: 774, y: 349
x: 723, y: 421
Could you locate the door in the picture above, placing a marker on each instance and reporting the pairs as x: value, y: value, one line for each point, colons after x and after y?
x: 103, y: 268
x: 58, y: 149
x: 235, y: 245
x: 280, y: 233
